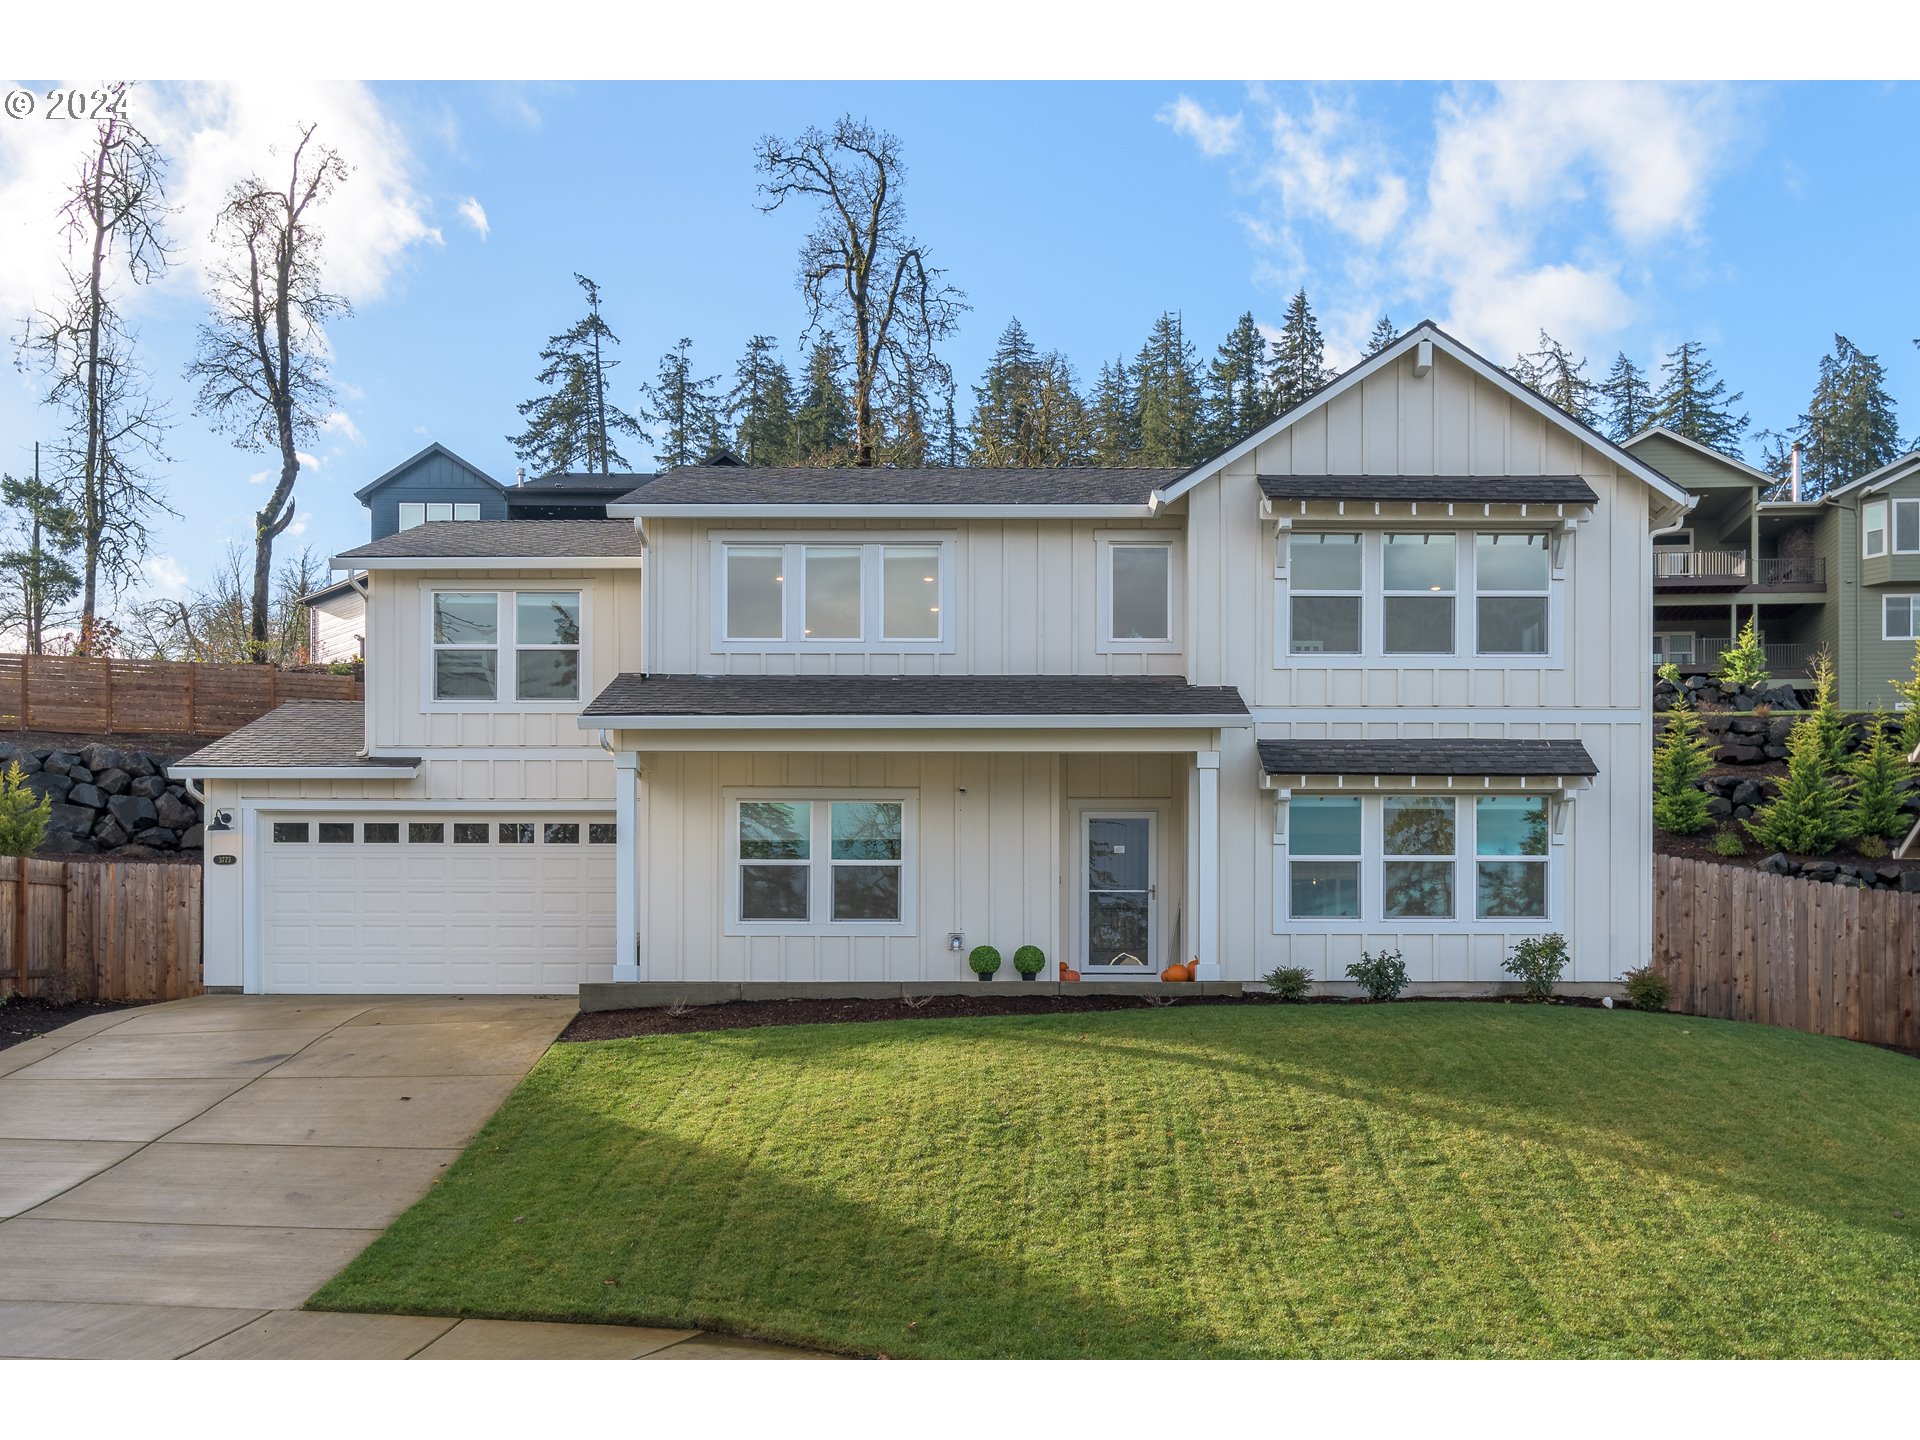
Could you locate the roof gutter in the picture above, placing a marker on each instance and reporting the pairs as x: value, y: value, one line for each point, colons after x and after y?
x: 1240, y: 721
x: 488, y: 562
x: 295, y: 772
x: 1009, y: 511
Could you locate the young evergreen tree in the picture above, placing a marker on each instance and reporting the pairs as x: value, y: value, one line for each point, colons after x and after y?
x: 1166, y: 396
x: 1828, y: 725
x: 1879, y: 773
x: 1909, y: 692
x: 760, y: 405
x: 1555, y: 376
x: 1849, y: 427
x: 1626, y: 399
x: 1113, y: 416
x: 1383, y: 335
x: 1808, y: 815
x: 1745, y: 661
x: 1682, y: 757
x: 37, y: 575
x: 1237, y: 401
x: 572, y: 425
x: 823, y: 425
x: 23, y: 814
x: 1299, y: 363
x: 685, y: 406
x: 1693, y: 401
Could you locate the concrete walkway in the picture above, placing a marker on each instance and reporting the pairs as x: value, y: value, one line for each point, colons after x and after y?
x: 176, y: 1180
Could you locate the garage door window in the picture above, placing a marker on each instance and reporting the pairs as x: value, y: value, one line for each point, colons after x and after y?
x: 607, y: 834
x: 380, y: 832
x: 516, y: 832
x: 426, y: 833
x: 562, y: 834
x: 289, y: 832
x: 336, y: 832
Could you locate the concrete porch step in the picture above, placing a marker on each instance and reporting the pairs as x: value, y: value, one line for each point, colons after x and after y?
x: 655, y: 994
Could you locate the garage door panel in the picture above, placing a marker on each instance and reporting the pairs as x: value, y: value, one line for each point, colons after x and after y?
x: 424, y: 916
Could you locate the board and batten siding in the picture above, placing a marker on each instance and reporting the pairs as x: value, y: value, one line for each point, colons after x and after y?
x: 400, y: 720
x: 1025, y: 596
x: 987, y: 853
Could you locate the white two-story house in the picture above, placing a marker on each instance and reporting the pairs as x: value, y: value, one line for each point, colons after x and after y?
x: 1375, y: 678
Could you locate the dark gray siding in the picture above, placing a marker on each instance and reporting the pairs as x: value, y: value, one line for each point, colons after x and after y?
x: 435, y: 478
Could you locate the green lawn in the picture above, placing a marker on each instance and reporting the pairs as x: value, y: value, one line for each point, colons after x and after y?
x: 1407, y: 1180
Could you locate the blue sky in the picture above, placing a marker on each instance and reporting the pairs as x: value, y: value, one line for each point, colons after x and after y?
x: 1757, y: 218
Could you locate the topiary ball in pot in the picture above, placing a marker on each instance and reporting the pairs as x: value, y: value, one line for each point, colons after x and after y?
x: 984, y: 960
x: 1029, y: 960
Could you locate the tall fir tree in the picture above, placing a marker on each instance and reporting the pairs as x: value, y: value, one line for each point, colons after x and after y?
x: 1299, y: 362
x: 1626, y: 399
x: 1166, y: 393
x: 912, y: 421
x: 1555, y: 376
x: 1002, y: 424
x: 1692, y: 400
x: 37, y: 574
x: 686, y: 408
x: 1849, y: 428
x: 760, y: 405
x: 1383, y: 335
x: 1113, y: 416
x: 1237, y: 398
x: 572, y: 424
x: 823, y: 425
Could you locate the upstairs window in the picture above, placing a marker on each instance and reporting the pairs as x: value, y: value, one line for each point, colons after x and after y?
x: 1139, y: 591
x: 1511, y: 574
x: 1419, y: 573
x: 1906, y: 527
x: 417, y: 512
x: 840, y: 596
x: 486, y: 644
x: 1328, y: 577
x: 1873, y: 529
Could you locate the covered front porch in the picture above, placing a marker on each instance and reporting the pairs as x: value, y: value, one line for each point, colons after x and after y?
x: 872, y: 831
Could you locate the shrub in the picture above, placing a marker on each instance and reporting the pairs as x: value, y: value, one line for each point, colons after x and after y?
x: 1289, y: 982
x: 1382, y: 976
x: 1808, y: 814
x: 1646, y: 988
x: 1909, y: 692
x: 23, y: 814
x: 1537, y: 962
x: 1727, y: 842
x: 1874, y: 847
x: 1745, y: 661
x: 984, y: 960
x: 1029, y: 959
x: 1682, y: 757
x: 1879, y: 773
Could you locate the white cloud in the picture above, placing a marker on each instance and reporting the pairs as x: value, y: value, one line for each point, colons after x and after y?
x: 340, y: 423
x: 475, y: 215
x: 165, y: 577
x: 298, y: 525
x: 308, y: 462
x: 1537, y: 207
x: 1214, y: 134
x: 260, y: 477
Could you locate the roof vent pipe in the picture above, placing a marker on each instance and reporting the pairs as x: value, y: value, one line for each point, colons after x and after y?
x: 519, y: 475
x: 1794, y: 489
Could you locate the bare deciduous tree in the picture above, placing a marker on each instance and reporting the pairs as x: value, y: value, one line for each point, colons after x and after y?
x: 216, y: 624
x: 867, y: 281
x: 261, y: 360
x: 114, y: 218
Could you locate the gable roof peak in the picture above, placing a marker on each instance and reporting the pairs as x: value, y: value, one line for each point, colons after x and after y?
x: 432, y: 448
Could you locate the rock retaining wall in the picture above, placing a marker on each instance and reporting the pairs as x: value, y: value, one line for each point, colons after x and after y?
x: 109, y: 800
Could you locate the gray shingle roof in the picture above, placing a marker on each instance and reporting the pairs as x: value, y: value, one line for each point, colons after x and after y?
x: 1426, y: 757
x: 1474, y: 489
x: 571, y: 480
x: 484, y: 539
x: 698, y: 485
x: 298, y: 734
x: 900, y: 695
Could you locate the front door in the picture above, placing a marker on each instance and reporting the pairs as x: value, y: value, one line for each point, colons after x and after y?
x: 1117, y: 916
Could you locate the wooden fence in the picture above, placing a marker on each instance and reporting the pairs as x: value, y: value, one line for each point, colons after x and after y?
x: 1739, y: 944
x: 151, y: 697
x: 74, y: 931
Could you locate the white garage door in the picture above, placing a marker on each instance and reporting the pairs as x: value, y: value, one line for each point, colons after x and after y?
x: 466, y: 903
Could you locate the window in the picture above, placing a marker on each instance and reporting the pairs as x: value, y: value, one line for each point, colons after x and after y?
x: 1327, y: 886
x: 603, y: 833
x: 1512, y: 828
x: 470, y: 832
x: 566, y: 833
x: 380, y: 832
x: 1418, y: 574
x: 1417, y: 826
x: 1327, y: 575
x: 1510, y: 578
x: 1899, y: 617
x: 1906, y: 527
x: 1673, y: 647
x: 415, y: 512
x: 516, y: 832
x: 1873, y: 529
x: 1139, y: 591
x: 819, y: 864
x: 336, y: 832
x: 475, y: 632
x: 426, y: 833
x: 834, y: 596
x: 289, y: 832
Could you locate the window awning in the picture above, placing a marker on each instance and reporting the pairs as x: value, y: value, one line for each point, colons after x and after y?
x: 1435, y: 489
x: 1368, y: 764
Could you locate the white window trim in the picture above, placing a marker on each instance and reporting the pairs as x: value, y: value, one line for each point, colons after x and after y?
x: 1106, y: 541
x: 1544, y: 592
x: 820, y: 895
x: 1373, y: 920
x: 1885, y: 529
x: 1691, y: 637
x: 1451, y: 861
x: 1893, y: 527
x: 506, y: 665
x: 794, y: 640
x: 1373, y: 653
x: 1359, y: 594
x: 1885, y: 633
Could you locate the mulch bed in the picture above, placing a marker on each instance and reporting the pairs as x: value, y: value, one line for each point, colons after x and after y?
x: 24, y: 1018
x: 1700, y: 847
x: 753, y: 1014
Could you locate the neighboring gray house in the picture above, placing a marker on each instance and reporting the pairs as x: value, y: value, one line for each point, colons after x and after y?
x: 436, y: 484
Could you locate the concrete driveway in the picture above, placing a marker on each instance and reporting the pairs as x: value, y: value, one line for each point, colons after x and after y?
x: 176, y: 1180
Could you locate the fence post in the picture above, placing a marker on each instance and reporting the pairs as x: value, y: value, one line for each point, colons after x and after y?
x: 26, y: 706
x: 193, y: 697
x: 21, y: 930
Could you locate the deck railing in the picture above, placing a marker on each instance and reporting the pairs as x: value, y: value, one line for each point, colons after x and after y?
x: 1808, y: 570
x: 1672, y: 563
x: 1782, y: 659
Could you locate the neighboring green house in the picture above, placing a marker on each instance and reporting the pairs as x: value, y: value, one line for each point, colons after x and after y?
x: 1805, y: 569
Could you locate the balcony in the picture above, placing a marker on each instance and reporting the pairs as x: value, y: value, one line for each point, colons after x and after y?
x: 1677, y: 569
x: 1784, y: 661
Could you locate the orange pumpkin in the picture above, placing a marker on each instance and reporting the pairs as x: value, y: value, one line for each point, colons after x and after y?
x: 1176, y: 972
x: 1067, y: 973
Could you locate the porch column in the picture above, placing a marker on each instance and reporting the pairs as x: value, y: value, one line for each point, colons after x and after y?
x: 626, y: 878
x: 1204, y: 899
